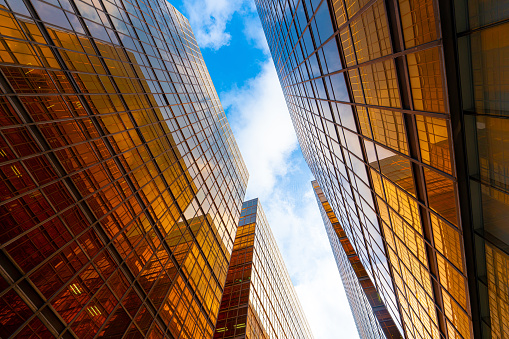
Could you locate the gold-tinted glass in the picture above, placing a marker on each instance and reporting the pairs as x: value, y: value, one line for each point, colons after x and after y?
x: 490, y: 67
x: 493, y: 143
x: 497, y: 270
x: 356, y: 84
x: 441, y: 195
x: 388, y: 129
x: 417, y: 21
x: 353, y: 6
x: 453, y: 281
x: 362, y: 114
x: 259, y: 299
x: 456, y: 316
x: 447, y: 241
x: 434, y: 142
x: 119, y: 156
x: 396, y: 168
x: 425, y: 70
x: 483, y: 12
x: 380, y: 84
x: 370, y: 33
x: 348, y: 48
x: 339, y: 12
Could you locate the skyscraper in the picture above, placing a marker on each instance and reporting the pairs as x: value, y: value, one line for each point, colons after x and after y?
x: 121, y: 183
x: 259, y: 300
x: 370, y: 314
x: 400, y: 109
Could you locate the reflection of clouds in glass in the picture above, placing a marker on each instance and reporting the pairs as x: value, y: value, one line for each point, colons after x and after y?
x: 51, y: 14
x: 346, y: 116
x: 383, y: 152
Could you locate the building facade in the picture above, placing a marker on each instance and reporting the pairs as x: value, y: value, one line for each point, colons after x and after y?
x: 370, y: 314
x: 259, y: 300
x: 121, y: 183
x: 400, y: 108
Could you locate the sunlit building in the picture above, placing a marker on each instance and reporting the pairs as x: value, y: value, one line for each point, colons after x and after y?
x: 400, y: 107
x: 121, y: 184
x: 259, y: 300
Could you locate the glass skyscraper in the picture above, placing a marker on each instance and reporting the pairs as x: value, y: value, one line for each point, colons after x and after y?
x: 371, y: 316
x: 259, y: 300
x: 400, y: 107
x: 121, y: 183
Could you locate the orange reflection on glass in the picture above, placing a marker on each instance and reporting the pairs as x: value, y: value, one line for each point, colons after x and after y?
x: 441, y: 195
x: 418, y: 21
x: 370, y: 33
x: 425, y: 70
x: 497, y: 267
x: 380, y: 84
x: 434, y: 142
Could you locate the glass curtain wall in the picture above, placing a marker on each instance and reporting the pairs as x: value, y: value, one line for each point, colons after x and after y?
x: 121, y: 183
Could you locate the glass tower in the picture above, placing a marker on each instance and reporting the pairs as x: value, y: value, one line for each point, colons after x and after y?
x: 370, y: 314
x: 259, y: 300
x: 121, y: 183
x: 400, y: 107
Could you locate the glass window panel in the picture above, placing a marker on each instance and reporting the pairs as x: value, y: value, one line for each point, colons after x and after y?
x: 490, y: 67
x: 388, y: 129
x: 483, y: 12
x: 380, y: 84
x: 497, y: 267
x: 396, y: 168
x: 362, y: 114
x: 370, y: 33
x: 434, y: 142
x: 323, y: 22
x: 493, y: 150
x: 353, y: 6
x: 339, y: 12
x: 456, y: 316
x: 441, y: 195
x: 453, y: 281
x: 346, y: 43
x: 330, y: 50
x: 447, y: 241
x: 418, y: 21
x: 356, y: 85
x: 495, y: 212
x: 425, y: 69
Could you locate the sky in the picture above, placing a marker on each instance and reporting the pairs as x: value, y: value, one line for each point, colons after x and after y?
x: 233, y: 45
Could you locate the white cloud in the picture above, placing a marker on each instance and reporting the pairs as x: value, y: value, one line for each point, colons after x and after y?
x: 263, y: 129
x: 264, y: 132
x: 209, y: 18
x: 253, y: 31
x: 299, y: 231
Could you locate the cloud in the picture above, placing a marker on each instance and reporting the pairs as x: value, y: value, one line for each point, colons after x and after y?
x: 263, y: 129
x: 280, y: 177
x: 292, y: 212
x: 253, y: 31
x: 209, y: 18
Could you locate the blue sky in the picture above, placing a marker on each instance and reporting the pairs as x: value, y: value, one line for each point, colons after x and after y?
x: 236, y: 53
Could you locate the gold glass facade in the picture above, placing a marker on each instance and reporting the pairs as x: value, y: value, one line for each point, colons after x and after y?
x: 121, y: 183
x: 374, y: 95
x: 483, y: 47
x: 370, y: 314
x: 259, y: 300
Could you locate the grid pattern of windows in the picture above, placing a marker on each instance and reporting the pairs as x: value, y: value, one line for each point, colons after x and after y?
x: 259, y: 300
x: 483, y: 46
x: 121, y: 183
x: 370, y: 315
x: 376, y: 133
